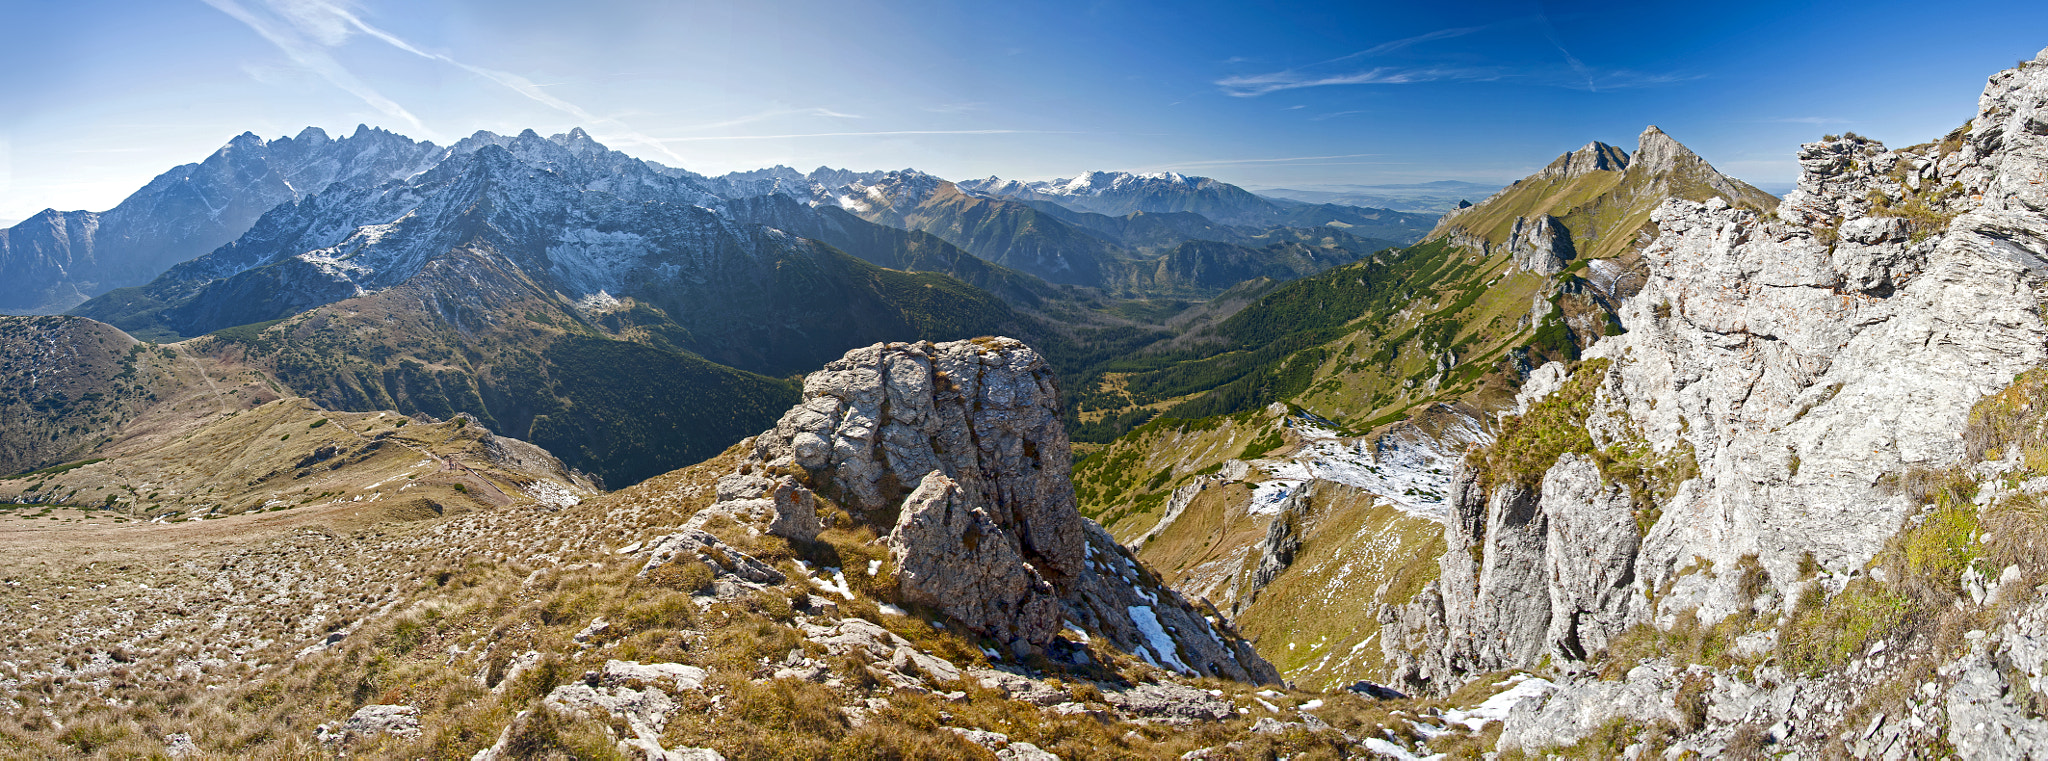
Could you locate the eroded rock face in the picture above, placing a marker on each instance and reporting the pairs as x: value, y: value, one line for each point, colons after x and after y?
x: 1540, y: 244
x: 1798, y: 356
x: 956, y: 452
x: 950, y: 554
x: 984, y: 412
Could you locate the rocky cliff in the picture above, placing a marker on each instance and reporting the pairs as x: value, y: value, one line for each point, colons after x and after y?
x: 1743, y: 444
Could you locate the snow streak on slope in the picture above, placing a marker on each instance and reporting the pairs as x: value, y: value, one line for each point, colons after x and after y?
x: 1407, y: 467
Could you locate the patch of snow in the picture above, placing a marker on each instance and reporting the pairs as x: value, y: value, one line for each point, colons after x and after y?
x: 1427, y: 730
x: 1496, y: 708
x: 837, y: 582
x: 1407, y: 468
x: 1390, y: 750
x: 552, y: 494
x: 1269, y: 495
x: 598, y: 303
x: 1148, y: 623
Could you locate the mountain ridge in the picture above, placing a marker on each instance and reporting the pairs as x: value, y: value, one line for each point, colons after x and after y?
x: 60, y: 259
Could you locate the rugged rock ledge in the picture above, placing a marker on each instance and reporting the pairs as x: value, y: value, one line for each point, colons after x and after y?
x: 955, y: 453
x: 1797, y: 360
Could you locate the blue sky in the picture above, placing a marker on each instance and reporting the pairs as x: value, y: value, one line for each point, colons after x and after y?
x: 103, y: 94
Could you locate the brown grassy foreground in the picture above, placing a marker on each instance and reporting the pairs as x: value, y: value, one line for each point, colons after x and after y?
x: 122, y: 636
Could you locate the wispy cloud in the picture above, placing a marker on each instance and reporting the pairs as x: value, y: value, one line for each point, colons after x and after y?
x: 1550, y: 33
x: 1440, y: 34
x: 305, y: 29
x: 509, y: 80
x: 1347, y: 70
x: 1287, y: 160
x: 709, y: 138
x: 772, y: 114
x: 1333, y: 115
x: 1260, y: 84
x: 1569, y: 78
x: 304, y: 35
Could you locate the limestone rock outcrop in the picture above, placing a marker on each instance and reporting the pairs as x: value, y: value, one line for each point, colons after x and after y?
x: 984, y: 579
x: 1596, y: 156
x: 1796, y: 356
x: 1540, y: 244
x: 955, y: 452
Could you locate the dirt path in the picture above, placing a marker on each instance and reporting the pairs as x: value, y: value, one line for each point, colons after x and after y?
x: 225, y: 408
x: 448, y: 464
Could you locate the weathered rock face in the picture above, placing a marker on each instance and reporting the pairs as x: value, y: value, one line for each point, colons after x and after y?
x: 982, y: 577
x: 956, y: 452
x: 1799, y: 356
x: 1595, y: 157
x: 983, y: 412
x: 1554, y: 575
x: 1540, y: 244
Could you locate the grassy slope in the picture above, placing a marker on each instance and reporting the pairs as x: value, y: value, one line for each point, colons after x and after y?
x: 69, y: 383
x: 1318, y: 623
x: 216, y: 438
x: 623, y: 406
x: 1364, y: 345
x: 432, y: 613
x: 1359, y: 345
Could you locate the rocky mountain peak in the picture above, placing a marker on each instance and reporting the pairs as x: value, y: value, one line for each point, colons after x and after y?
x: 1658, y: 153
x: 1596, y: 156
x: 955, y: 452
x: 1599, y: 215
x: 55, y: 262
x: 578, y: 142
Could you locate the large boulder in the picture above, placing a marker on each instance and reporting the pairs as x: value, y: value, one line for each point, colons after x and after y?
x: 955, y: 451
x: 952, y: 556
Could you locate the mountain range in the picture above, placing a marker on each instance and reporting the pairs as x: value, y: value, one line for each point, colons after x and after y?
x: 1427, y: 197
x: 485, y: 262
x: 541, y: 450
x: 57, y: 259
x: 68, y: 257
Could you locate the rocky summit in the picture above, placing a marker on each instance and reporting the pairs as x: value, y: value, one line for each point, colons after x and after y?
x: 955, y: 451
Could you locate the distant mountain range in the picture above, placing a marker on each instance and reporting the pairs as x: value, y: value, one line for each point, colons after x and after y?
x: 57, y: 259
x: 1115, y: 230
x: 60, y: 259
x: 1424, y: 197
x: 557, y: 291
x: 548, y: 285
